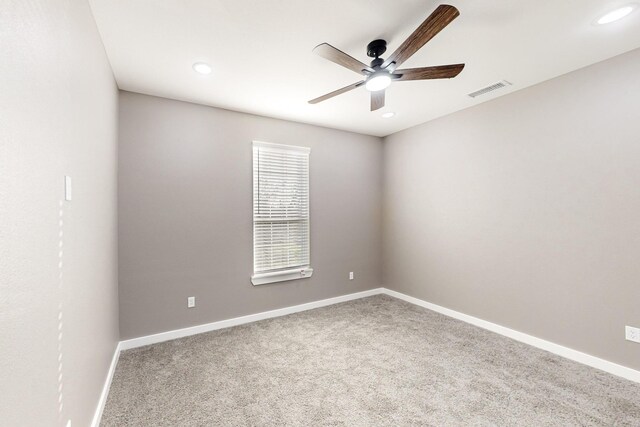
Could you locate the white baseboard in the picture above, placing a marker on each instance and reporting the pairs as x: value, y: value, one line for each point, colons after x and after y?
x: 569, y: 353
x: 193, y: 330
x: 105, y: 389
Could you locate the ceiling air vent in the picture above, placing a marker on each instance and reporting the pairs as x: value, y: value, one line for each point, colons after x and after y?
x: 490, y: 88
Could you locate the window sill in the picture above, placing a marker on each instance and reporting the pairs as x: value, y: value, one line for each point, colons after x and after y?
x: 281, y: 276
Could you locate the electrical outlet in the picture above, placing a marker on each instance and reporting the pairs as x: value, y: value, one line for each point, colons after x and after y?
x: 191, y: 302
x: 632, y: 334
x: 351, y: 275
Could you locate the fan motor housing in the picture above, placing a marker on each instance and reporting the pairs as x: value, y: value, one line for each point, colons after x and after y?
x: 376, y: 48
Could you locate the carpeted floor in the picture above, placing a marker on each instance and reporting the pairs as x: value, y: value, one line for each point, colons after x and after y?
x: 376, y: 361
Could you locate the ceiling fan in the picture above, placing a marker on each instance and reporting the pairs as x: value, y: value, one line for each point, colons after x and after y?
x: 379, y: 75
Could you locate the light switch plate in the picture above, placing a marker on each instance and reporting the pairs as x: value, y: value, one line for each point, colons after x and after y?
x: 191, y: 302
x: 67, y: 188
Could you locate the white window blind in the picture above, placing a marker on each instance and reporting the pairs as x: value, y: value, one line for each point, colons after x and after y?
x: 280, y: 212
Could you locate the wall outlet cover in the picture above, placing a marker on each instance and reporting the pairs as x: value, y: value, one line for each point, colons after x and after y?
x: 632, y: 334
x: 351, y: 275
x: 191, y: 302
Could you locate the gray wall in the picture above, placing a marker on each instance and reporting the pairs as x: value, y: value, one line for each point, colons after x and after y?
x: 525, y: 210
x: 185, y: 213
x: 58, y: 112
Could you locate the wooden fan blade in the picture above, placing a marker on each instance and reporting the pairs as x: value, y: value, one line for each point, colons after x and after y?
x: 339, y: 57
x: 377, y: 99
x: 427, y: 73
x: 336, y: 92
x: 431, y: 26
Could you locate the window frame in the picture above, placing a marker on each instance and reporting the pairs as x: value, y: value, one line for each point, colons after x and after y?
x: 286, y: 274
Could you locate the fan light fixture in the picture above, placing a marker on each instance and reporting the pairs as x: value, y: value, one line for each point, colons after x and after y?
x: 202, y: 68
x: 378, y: 81
x: 615, y: 15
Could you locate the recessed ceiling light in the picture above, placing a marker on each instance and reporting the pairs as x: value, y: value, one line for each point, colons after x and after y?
x: 615, y: 15
x: 388, y: 115
x: 202, y: 68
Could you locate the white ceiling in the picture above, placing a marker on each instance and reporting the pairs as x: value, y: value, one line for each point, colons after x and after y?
x: 261, y: 52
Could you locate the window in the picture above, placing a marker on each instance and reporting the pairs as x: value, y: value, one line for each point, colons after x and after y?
x: 280, y: 213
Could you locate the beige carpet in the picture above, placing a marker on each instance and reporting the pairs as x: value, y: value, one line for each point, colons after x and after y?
x: 377, y: 361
